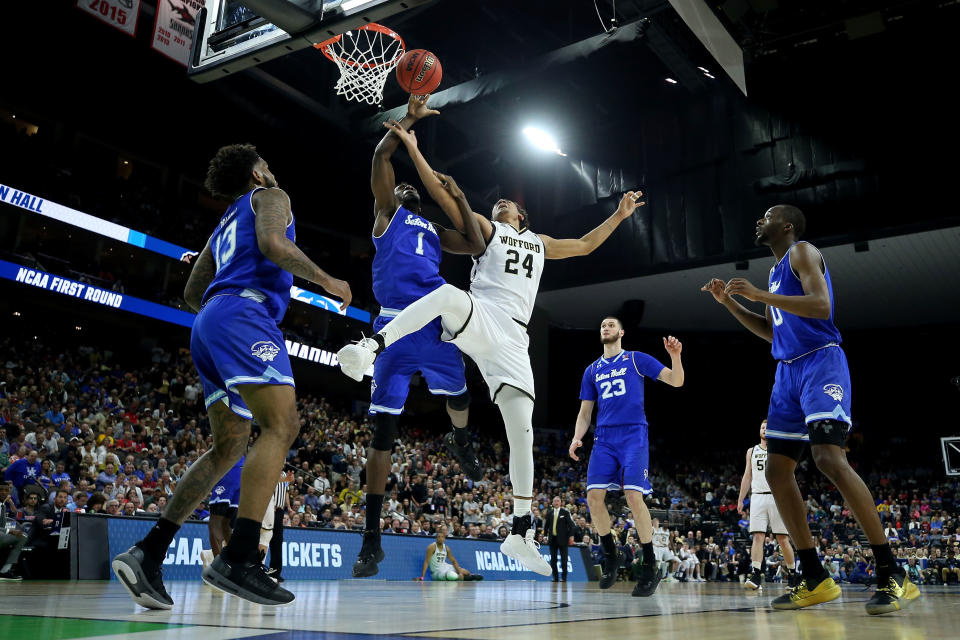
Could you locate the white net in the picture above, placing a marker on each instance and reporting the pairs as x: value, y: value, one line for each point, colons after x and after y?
x: 365, y: 56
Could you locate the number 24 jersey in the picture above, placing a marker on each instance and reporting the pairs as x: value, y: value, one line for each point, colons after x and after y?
x: 616, y: 385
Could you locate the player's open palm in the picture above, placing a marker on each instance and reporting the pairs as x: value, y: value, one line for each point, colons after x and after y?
x: 716, y: 288
x: 576, y: 444
x: 417, y: 107
x: 629, y: 203
x: 672, y: 345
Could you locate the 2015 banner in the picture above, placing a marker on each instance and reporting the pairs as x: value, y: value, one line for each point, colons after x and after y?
x: 173, y: 28
x: 121, y: 14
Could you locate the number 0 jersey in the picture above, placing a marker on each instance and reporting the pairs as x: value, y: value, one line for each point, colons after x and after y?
x: 241, y: 267
x: 508, y: 272
x: 406, y: 266
x: 617, y: 387
x: 794, y: 336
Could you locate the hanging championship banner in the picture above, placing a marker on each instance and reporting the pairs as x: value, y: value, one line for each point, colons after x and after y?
x: 122, y: 14
x: 173, y: 28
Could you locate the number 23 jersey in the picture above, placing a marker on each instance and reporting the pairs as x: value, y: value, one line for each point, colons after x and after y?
x: 508, y: 272
x: 616, y: 385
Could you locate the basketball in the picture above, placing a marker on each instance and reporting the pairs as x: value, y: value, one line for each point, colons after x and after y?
x: 419, y: 72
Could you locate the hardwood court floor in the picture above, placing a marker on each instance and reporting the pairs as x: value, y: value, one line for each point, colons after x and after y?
x: 355, y: 609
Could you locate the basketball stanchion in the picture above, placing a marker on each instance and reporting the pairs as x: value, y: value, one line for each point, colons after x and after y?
x: 365, y: 57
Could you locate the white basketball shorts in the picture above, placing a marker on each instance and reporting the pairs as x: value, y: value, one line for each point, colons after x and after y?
x: 764, y: 515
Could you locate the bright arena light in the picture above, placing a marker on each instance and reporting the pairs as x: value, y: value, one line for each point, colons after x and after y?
x: 542, y: 140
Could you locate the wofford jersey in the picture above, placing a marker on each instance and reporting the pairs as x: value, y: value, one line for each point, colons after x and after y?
x: 758, y: 465
x: 508, y: 272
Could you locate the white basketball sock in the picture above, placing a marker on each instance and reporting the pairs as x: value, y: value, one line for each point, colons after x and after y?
x: 516, y: 407
x: 451, y: 304
x: 756, y: 564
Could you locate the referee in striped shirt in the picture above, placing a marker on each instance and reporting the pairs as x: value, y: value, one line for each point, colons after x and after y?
x: 281, y: 502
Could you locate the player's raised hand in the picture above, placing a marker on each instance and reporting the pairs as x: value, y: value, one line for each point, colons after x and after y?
x: 629, y: 203
x: 672, y: 345
x: 574, y: 445
x: 409, y: 138
x: 417, y: 107
x: 716, y: 287
x: 341, y: 289
x: 743, y: 288
x: 449, y: 184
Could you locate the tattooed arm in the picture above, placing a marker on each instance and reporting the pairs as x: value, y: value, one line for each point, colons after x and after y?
x: 272, y: 207
x: 200, y: 278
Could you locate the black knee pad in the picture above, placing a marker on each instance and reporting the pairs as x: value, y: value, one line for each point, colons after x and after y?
x: 460, y: 402
x: 828, y: 432
x: 790, y: 448
x: 384, y: 431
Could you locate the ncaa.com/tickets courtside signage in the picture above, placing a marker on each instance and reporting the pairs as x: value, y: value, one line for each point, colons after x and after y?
x: 327, y: 554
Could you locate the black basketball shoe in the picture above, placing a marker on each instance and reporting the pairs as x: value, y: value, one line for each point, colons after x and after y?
x: 246, y: 579
x: 610, y: 565
x: 370, y: 554
x: 142, y: 578
x: 465, y: 456
x: 648, y: 582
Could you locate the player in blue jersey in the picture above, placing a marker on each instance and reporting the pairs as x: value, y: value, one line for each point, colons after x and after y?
x: 621, y: 455
x: 240, y: 286
x: 223, y: 502
x: 810, y: 402
x: 406, y: 267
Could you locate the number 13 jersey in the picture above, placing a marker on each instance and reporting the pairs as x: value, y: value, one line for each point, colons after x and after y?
x: 242, y: 269
x: 616, y: 385
x: 508, y: 272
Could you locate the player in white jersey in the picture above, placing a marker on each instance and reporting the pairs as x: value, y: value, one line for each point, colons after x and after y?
x: 437, y: 555
x: 763, y: 513
x: 661, y: 549
x: 489, y: 325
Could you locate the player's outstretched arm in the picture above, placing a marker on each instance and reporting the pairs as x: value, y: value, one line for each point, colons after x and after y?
x: 745, y: 482
x: 471, y: 240
x: 560, y: 248
x: 272, y: 208
x: 426, y: 560
x: 583, y: 425
x: 815, y: 303
x: 757, y: 324
x: 673, y: 375
x: 382, y: 178
x: 204, y: 269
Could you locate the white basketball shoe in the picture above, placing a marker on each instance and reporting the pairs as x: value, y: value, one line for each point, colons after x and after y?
x: 526, y: 551
x: 355, y: 359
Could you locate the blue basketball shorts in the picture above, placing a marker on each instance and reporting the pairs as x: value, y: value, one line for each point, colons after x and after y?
x: 227, y: 490
x: 620, y: 459
x: 234, y: 342
x: 813, y: 387
x: 440, y: 363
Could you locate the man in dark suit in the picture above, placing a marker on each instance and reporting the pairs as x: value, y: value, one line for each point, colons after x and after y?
x: 559, y: 527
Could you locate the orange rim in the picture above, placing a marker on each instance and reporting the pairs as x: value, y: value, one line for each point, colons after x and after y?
x: 373, y: 26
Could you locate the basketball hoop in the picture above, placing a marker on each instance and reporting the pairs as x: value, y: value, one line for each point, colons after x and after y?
x: 365, y: 56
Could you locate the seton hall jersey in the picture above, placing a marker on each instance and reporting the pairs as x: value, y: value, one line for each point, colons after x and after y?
x: 617, y: 387
x: 508, y: 272
x: 794, y: 336
x: 406, y: 266
x: 241, y: 268
x: 758, y: 471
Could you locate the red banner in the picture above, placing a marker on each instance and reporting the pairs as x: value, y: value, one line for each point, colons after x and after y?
x: 173, y: 28
x: 122, y: 14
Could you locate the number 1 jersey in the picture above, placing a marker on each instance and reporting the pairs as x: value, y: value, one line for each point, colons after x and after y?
x: 406, y: 266
x: 616, y: 385
x: 241, y: 267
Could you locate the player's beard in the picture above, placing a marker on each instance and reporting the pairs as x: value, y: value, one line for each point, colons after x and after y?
x: 609, y: 339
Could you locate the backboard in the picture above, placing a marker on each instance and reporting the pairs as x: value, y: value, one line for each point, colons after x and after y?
x: 951, y: 455
x: 231, y: 35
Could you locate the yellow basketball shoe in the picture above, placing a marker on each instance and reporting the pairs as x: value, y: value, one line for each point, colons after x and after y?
x: 894, y: 595
x: 803, y: 596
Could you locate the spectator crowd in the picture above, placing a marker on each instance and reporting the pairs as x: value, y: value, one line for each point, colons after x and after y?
x: 81, y: 432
